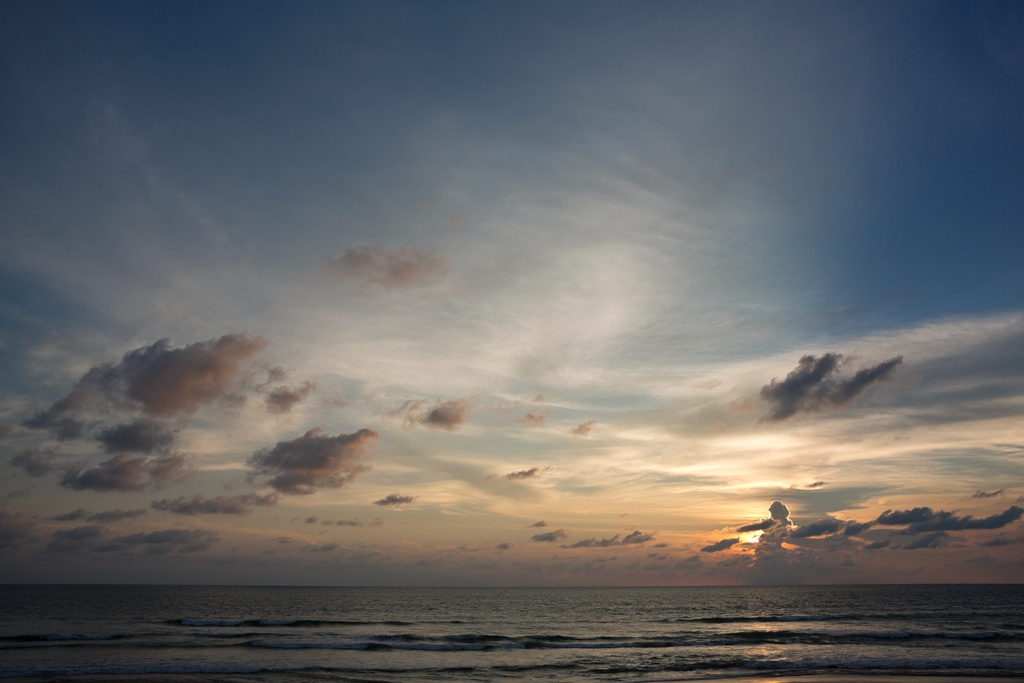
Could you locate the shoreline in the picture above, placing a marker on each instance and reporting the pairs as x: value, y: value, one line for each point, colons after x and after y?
x: 838, y: 677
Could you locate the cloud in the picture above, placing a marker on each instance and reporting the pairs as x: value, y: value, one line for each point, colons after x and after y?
x: 312, y: 519
x: 313, y: 460
x: 637, y: 537
x: 388, y: 269
x: 724, y: 544
x: 448, y: 415
x: 15, y: 529
x: 168, y: 541
x: 584, y: 428
x: 116, y: 515
x: 144, y: 435
x: 221, y: 505
x: 551, y: 536
x: 531, y: 473
x: 65, y: 540
x: 124, y: 472
x: 395, y: 500
x: 828, y: 525
x: 325, y: 548
x: 780, y: 513
x: 924, y: 519
x: 541, y: 524
x: 986, y: 494
x: 877, y: 545
x: 102, y: 517
x: 1001, y: 540
x: 757, y: 526
x: 503, y: 546
x: 932, y: 540
x: 594, y: 543
x: 20, y: 493
x: 815, y: 384
x: 5, y: 431
x: 817, y: 484
x: 377, y: 521
x: 159, y: 380
x: 283, y: 399
x: 350, y: 522
x: 38, y: 462
x: 80, y: 513
x: 534, y: 419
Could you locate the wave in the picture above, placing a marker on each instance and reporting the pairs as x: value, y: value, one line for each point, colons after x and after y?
x: 283, y: 622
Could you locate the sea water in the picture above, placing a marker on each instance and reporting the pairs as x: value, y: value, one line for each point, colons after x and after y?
x: 509, y: 634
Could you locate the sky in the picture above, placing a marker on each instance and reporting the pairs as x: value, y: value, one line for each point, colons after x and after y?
x: 511, y: 293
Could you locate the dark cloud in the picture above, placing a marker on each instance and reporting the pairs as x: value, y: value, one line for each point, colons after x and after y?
x: 448, y: 415
x: 986, y: 494
x: 503, y: 546
x: 80, y: 513
x: 724, y: 544
x: 526, y: 474
x: 541, y: 523
x: 1001, y: 540
x: 757, y: 526
x: 815, y: 384
x: 81, y: 533
x: 594, y: 543
x: 283, y: 399
x: 38, y: 462
x: 125, y: 472
x: 637, y: 537
x: 780, y: 513
x: 877, y: 545
x: 395, y: 500
x: 551, y: 536
x: 534, y: 419
x: 312, y: 519
x: 817, y: 484
x: 924, y: 519
x: 584, y: 428
x: 116, y: 515
x: 221, y: 505
x: 313, y: 460
x: 325, y: 548
x: 20, y: 493
x: 5, y: 431
x: 822, y: 527
x: 855, y: 528
x: 349, y: 522
x: 932, y: 540
x: 388, y: 269
x: 144, y: 435
x: 157, y: 379
x: 169, y: 541
x: 15, y: 529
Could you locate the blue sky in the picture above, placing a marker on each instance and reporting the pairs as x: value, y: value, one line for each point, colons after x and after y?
x: 474, y: 229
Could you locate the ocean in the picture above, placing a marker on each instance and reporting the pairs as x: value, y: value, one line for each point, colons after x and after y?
x: 509, y: 634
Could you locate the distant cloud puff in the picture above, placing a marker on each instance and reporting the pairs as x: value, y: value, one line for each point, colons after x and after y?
x: 877, y: 545
x: 987, y: 494
x: 387, y: 269
x: 116, y: 515
x: 221, y: 505
x: 637, y: 537
x: 5, y: 431
x: 284, y: 399
x: 584, y: 428
x: 447, y: 415
x: 531, y: 473
x: 931, y: 541
x: 724, y: 544
x: 395, y: 500
x: 815, y: 384
x: 594, y: 543
x: 534, y: 419
x: 503, y: 546
x: 314, y: 460
x: 551, y: 536
x: 541, y: 523
x: 124, y: 472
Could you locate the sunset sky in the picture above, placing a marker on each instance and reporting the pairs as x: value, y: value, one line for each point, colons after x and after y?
x: 512, y: 293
